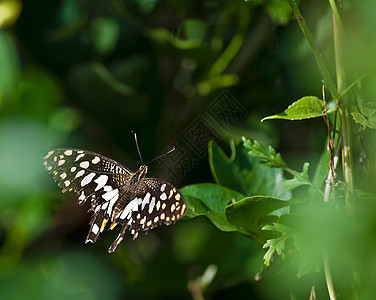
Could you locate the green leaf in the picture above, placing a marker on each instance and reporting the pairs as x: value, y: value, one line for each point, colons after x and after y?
x: 210, y: 200
x: 276, y: 244
x: 298, y: 179
x: 271, y: 157
x: 366, y: 116
x: 252, y: 213
x: 245, y: 174
x: 305, y: 108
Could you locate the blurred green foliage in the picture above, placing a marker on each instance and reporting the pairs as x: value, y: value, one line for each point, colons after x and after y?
x: 84, y: 73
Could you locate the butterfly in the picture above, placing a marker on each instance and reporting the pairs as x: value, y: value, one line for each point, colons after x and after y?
x: 117, y: 195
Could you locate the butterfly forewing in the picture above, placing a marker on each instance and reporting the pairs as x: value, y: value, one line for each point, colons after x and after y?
x: 116, y: 194
x: 88, y: 174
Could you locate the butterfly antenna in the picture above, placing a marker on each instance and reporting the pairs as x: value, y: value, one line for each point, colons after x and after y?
x: 168, y: 152
x: 138, y: 148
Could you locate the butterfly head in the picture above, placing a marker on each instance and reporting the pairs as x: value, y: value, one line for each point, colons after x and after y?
x: 141, y: 172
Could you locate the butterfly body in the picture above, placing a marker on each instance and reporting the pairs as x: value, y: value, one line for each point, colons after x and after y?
x: 116, y: 194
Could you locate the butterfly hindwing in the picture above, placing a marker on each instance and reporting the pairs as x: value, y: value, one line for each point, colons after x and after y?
x: 153, y: 202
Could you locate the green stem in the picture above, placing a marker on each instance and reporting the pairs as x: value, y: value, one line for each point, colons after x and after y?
x: 336, y: 14
x: 319, y: 60
x: 343, y: 107
x: 328, y: 278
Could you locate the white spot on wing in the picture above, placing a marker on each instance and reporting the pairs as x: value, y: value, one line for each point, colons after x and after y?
x: 68, y: 152
x: 48, y: 154
x: 163, y: 196
x: 95, y: 229
x: 79, y: 156
x: 80, y: 173
x: 101, y: 181
x: 87, y: 179
x: 112, y: 202
x: 145, y: 201
x: 67, y: 183
x: 163, y: 187
x: 63, y: 175
x: 110, y: 195
x: 151, y: 205
x: 95, y: 160
x: 132, y: 206
x: 107, y: 188
x: 61, y: 162
x: 82, y: 197
x: 104, y: 205
x: 84, y: 164
x: 73, y: 169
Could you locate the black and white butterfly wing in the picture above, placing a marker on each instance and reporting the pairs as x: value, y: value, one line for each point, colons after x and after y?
x: 88, y: 174
x: 93, y: 177
x: 153, y: 202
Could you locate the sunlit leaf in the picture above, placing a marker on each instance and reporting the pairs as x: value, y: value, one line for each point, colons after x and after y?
x: 305, y: 108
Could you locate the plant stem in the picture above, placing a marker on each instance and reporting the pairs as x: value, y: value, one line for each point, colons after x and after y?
x: 319, y: 60
x: 343, y: 110
x: 328, y: 277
